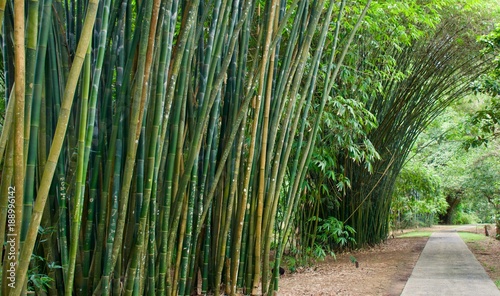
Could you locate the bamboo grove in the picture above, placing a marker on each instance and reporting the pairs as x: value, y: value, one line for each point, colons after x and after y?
x: 440, y: 71
x: 148, y: 145
x: 410, y: 78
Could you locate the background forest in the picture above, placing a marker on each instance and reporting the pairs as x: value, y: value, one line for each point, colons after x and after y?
x: 170, y: 147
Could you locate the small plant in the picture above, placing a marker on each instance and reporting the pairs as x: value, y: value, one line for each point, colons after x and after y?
x: 320, y: 252
x: 334, y: 231
x: 354, y: 260
x: 37, y: 279
x: 292, y: 264
x: 331, y: 235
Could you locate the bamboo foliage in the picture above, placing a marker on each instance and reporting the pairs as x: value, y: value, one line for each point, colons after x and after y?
x: 436, y: 80
x: 160, y: 139
x: 427, y: 73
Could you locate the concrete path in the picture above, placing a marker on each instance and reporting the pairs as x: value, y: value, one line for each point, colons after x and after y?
x: 447, y: 267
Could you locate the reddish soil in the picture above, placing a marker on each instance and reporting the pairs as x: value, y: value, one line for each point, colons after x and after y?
x: 383, y: 270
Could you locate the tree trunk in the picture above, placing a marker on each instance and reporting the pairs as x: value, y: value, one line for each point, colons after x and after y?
x: 453, y: 202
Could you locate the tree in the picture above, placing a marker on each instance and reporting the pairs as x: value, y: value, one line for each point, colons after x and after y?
x: 418, y: 197
x: 483, y: 124
x: 484, y: 183
x: 440, y: 150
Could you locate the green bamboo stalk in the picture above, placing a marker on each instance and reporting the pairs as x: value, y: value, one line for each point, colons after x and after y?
x: 63, y: 217
x: 167, y: 49
x: 232, y: 197
x: 244, y: 266
x: 80, y: 175
x: 271, y: 207
x: 89, y: 226
x: 308, y: 92
x: 85, y: 144
x: 46, y: 128
x: 38, y: 74
x: 168, y: 184
x: 181, y: 92
x: 151, y: 285
x: 187, y: 243
x: 239, y: 251
x: 167, y: 227
x: 251, y: 242
x: 159, y: 108
x: 49, y: 245
x: 31, y: 61
x: 60, y: 37
x: 53, y: 78
x: 116, y: 281
x: 209, y: 163
x: 201, y: 125
x: 331, y: 76
x: 329, y: 82
x: 114, y: 164
x: 152, y: 149
x: 138, y: 105
x: 113, y: 205
x: 135, y: 209
x: 172, y: 287
x: 118, y: 57
x: 8, y: 55
x: 56, y: 147
x: 291, y: 130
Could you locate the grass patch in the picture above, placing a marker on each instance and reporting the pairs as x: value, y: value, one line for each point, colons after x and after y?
x: 471, y: 237
x: 497, y: 282
x: 416, y: 234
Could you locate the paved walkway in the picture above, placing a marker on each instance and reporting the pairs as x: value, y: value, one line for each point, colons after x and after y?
x: 447, y: 267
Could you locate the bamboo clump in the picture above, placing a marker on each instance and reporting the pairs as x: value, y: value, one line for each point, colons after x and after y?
x: 160, y: 147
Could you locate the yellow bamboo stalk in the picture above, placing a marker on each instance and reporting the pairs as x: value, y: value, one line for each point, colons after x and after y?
x: 55, y: 149
x: 19, y: 78
x: 2, y: 13
x: 260, y: 198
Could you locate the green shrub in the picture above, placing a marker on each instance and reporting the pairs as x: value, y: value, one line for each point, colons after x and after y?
x: 465, y: 218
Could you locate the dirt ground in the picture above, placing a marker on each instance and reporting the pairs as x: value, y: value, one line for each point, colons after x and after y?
x: 383, y: 270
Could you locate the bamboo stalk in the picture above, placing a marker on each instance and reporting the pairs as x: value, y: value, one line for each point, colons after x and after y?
x: 37, y: 80
x: 31, y: 61
x: 55, y: 148
x: 7, y: 127
x: 7, y: 191
x: 80, y: 176
x: 19, y: 117
x: 138, y: 105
